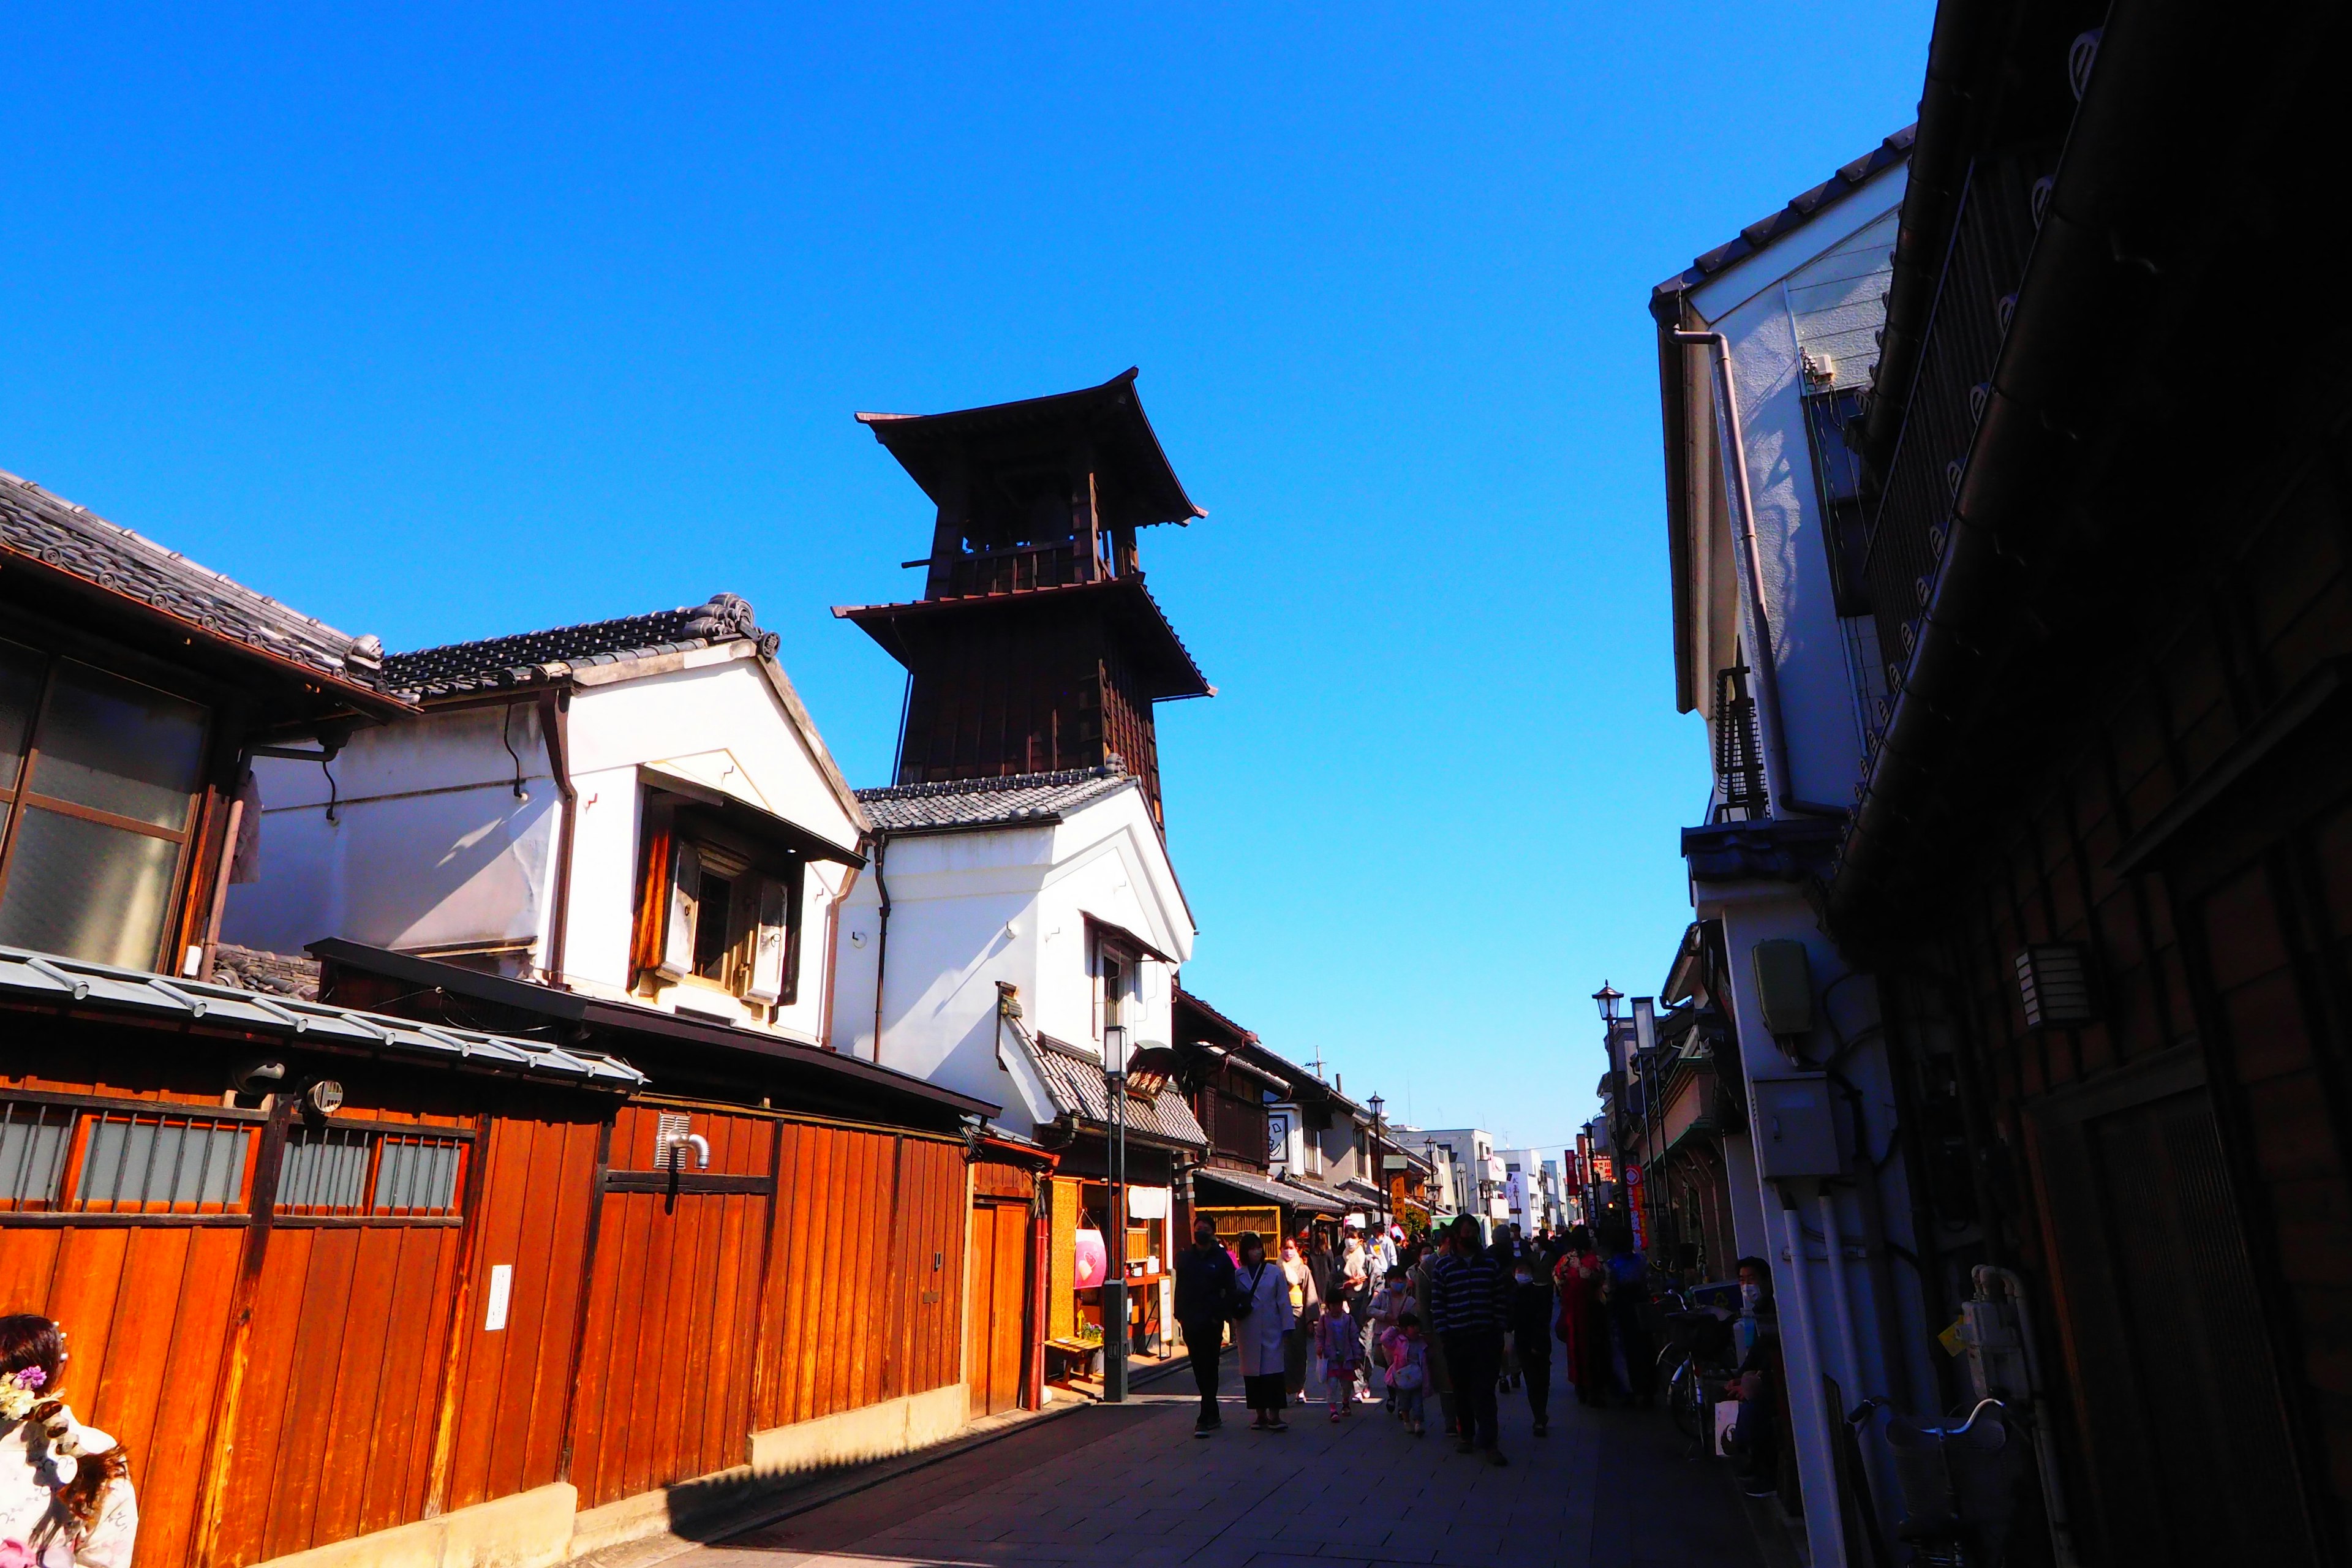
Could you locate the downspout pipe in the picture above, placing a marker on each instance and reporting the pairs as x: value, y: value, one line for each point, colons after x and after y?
x: 881, y: 937
x: 554, y: 708
x: 1779, y: 786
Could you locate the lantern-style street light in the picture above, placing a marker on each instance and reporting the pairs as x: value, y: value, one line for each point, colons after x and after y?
x: 1606, y: 999
x: 1114, y: 1287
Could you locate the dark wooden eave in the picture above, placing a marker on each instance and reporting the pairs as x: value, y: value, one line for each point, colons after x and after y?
x: 676, y: 1051
x: 1161, y: 659
x: 1139, y: 486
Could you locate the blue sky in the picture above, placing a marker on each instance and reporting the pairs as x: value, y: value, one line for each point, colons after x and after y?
x: 442, y: 323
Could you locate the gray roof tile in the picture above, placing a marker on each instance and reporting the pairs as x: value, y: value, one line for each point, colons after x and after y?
x: 528, y: 657
x: 1799, y: 211
x: 1074, y: 1078
x: 1022, y: 800
x: 69, y: 538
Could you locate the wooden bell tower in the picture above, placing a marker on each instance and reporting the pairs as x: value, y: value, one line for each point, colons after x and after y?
x: 1035, y: 647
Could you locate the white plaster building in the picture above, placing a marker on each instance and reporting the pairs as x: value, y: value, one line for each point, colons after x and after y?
x: 1477, y: 1170
x: 1055, y: 885
x: 1774, y: 646
x: 639, y: 810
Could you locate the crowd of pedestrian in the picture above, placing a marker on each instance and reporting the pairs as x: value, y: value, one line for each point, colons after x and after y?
x: 1457, y: 1316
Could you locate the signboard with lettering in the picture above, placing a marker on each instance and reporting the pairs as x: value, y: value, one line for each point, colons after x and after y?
x: 1604, y: 1168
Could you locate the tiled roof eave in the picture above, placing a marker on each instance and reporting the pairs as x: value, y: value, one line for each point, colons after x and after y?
x: 1799, y: 211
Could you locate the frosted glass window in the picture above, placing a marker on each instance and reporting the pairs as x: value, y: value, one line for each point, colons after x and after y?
x: 33, y: 1141
x: 119, y: 746
x: 20, y: 693
x: 139, y: 1162
x: 416, y: 1176
x: 325, y: 1168
x: 87, y: 890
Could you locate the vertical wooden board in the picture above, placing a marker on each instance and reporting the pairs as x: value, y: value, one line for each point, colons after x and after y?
x: 416, y: 1312
x: 818, y: 1322
x: 171, y: 1464
x: 124, y: 1392
x: 654, y: 1350
x: 686, y: 1335
x: 261, y: 1407
x: 28, y: 1260
x: 904, y: 1244
x: 317, y: 1352
x: 624, y: 1387
x: 498, y: 1225
x: 948, y: 1338
x: 799, y: 1326
x: 934, y: 1337
x: 591, y: 1422
x: 861, y: 1384
x: 975, y: 1317
x: 358, y: 1402
x: 774, y: 1341
x: 1005, y: 1343
x: 567, y: 1173
x: 546, y: 1292
x: 858, y: 1272
x: 88, y: 1288
x: 723, y: 1413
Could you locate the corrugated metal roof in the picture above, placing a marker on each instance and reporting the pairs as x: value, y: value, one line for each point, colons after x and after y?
x: 41, y: 977
x: 1022, y: 800
x: 71, y: 538
x: 528, y: 657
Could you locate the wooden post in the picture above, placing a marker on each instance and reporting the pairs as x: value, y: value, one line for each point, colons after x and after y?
x: 220, y: 1458
x: 1086, y: 515
x: 947, y: 532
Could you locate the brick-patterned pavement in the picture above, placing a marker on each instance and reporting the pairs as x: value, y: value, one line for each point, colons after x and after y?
x: 1132, y: 1486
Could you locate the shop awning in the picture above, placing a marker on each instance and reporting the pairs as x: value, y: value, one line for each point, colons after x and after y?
x: 1260, y: 1189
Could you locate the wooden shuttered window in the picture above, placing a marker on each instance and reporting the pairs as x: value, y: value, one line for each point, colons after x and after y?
x: 720, y: 914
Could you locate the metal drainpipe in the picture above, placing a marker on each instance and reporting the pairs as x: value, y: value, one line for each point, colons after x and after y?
x: 1823, y: 1526
x: 881, y: 938
x: 2053, y: 1490
x: 1841, y: 1296
x: 1779, y: 787
x: 554, y: 729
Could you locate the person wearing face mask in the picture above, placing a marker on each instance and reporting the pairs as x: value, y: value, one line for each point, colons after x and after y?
x: 1531, y: 1323
x: 1306, y: 1306
x: 1261, y: 1313
x: 1205, y: 1292
x: 1753, y: 1442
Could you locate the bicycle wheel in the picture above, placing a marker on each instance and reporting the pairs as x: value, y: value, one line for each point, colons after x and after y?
x: 1686, y: 1403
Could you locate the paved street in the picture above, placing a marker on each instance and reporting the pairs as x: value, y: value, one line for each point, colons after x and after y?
x: 1132, y: 1486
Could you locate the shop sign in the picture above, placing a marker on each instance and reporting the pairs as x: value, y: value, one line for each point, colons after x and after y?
x: 1604, y: 1168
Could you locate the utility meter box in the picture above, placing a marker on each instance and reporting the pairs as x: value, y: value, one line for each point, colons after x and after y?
x: 1791, y: 1127
x: 1784, y: 985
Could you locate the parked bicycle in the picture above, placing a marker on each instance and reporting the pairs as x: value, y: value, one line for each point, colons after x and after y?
x: 1696, y: 1357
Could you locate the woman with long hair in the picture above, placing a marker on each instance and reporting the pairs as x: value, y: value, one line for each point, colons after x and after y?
x: 64, y: 1489
x: 1582, y: 1327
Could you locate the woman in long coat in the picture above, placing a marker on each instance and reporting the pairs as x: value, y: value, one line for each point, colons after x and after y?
x: 1259, y: 1333
x: 1583, y: 1328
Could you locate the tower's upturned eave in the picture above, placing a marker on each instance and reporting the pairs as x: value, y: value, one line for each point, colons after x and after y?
x: 925, y: 444
x: 1158, y: 653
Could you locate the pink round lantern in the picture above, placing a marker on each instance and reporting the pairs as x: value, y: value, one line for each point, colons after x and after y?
x: 1093, y: 1260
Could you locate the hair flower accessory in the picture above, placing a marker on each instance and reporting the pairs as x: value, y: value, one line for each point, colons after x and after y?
x: 19, y: 1393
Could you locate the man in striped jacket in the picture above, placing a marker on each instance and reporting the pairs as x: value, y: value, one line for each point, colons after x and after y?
x: 1468, y: 1300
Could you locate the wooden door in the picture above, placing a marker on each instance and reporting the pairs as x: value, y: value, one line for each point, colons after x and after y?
x: 666, y: 1369
x: 993, y: 1313
x: 2189, y: 1452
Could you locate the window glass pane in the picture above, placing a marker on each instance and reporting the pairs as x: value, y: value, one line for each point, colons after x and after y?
x: 33, y: 1140
x: 119, y: 746
x: 133, y: 1160
x: 86, y: 890
x: 20, y: 692
x: 324, y: 1168
x: 416, y: 1176
x: 714, y: 902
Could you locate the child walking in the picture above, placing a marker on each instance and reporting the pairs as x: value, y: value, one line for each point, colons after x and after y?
x: 1408, y: 1356
x: 1342, y: 1353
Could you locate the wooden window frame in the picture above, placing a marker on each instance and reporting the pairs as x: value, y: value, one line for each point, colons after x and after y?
x: 69, y: 1209
x: 668, y: 822
x: 18, y: 793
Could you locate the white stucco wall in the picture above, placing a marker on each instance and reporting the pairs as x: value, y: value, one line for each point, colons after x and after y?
x: 1816, y: 292
x: 968, y: 909
x: 433, y: 851
x: 430, y: 848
